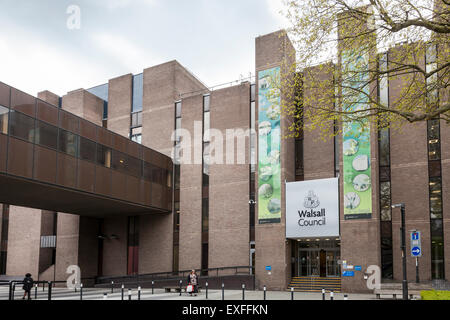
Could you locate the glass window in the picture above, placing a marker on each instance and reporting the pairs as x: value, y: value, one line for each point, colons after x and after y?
x: 206, y: 126
x: 177, y: 177
x: 434, y: 145
x: 436, y: 198
x: 434, y: 168
x: 68, y: 143
x: 4, y: 120
x: 21, y: 126
x: 137, y: 138
x: 431, y: 53
x: 157, y: 175
x: 87, y: 149
x: 119, y: 161
x: 299, y: 157
x: 385, y: 201
x: 205, y: 214
x: 104, y: 156
x: 437, y: 249
x: 136, y: 119
x: 147, y: 174
x: 135, y: 166
x: 252, y: 92
x: 178, y: 110
x: 138, y: 92
x: 46, y: 135
x: 384, y: 146
x: 206, y: 103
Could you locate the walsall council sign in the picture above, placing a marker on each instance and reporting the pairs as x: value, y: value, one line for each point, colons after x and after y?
x: 312, y: 208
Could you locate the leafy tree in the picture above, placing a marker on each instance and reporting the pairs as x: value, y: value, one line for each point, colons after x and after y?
x: 340, y: 60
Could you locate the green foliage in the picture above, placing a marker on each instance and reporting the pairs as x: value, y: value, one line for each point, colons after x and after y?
x: 435, y: 295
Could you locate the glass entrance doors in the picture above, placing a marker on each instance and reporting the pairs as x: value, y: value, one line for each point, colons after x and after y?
x: 316, y: 260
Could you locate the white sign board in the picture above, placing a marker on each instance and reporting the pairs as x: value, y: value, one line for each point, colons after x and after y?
x: 312, y: 208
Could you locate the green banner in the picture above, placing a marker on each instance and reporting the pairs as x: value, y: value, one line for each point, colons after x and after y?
x: 357, y: 177
x: 269, y: 146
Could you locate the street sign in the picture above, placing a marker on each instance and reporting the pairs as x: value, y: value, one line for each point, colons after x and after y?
x: 416, y: 252
x: 348, y: 274
x: 416, y: 245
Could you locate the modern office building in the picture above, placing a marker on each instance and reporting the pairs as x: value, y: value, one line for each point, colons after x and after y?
x: 95, y: 179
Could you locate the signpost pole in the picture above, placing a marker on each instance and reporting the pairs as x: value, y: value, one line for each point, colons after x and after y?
x: 417, y: 270
x: 405, y: 281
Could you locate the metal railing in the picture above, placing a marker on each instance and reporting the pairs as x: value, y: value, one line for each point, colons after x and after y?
x: 211, y: 272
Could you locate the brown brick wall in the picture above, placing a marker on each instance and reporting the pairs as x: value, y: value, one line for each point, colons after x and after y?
x: 23, y: 241
x: 272, y: 248
x: 115, y: 250
x: 191, y: 191
x: 229, y: 183
x: 120, y: 104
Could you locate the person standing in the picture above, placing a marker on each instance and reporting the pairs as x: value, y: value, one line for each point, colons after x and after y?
x: 27, y: 286
x: 193, y: 280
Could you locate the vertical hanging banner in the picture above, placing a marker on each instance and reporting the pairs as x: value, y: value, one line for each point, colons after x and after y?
x: 269, y: 146
x: 357, y: 177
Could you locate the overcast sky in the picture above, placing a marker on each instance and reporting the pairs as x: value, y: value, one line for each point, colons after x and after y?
x: 212, y: 38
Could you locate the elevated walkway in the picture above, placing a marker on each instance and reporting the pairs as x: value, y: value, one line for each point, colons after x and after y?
x: 50, y: 159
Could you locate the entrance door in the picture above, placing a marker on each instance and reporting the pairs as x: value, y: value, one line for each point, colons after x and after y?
x: 323, y: 263
x: 332, y: 265
x: 318, y: 259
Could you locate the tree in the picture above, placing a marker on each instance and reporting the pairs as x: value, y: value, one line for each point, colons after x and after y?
x: 354, y: 35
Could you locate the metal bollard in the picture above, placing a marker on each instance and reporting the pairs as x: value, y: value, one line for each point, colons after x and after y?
x: 153, y: 287
x: 129, y: 294
x: 139, y: 293
x: 345, y: 297
x: 181, y: 283
x: 123, y: 288
x: 50, y: 285
x: 223, y: 291
x: 206, y: 290
x: 35, y: 291
x: 75, y: 286
x: 323, y: 294
x: 81, y: 291
x: 112, y: 286
x: 13, y: 291
x: 10, y: 290
x: 265, y: 290
x: 331, y: 295
x: 105, y: 296
x: 292, y: 293
x: 243, y: 291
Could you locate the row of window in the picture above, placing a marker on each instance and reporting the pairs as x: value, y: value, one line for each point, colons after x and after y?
x: 384, y: 146
x: 46, y: 135
x: 435, y: 176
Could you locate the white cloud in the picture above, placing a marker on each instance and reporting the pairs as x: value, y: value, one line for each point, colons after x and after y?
x: 33, y: 64
x: 277, y: 10
x: 119, y: 4
x: 131, y: 57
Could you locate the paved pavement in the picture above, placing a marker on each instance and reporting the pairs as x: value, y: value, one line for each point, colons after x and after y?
x: 159, y: 294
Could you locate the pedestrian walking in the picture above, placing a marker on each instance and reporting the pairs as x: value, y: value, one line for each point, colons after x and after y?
x: 27, y: 286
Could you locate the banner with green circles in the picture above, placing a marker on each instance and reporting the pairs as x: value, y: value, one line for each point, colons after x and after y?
x: 357, y: 178
x: 269, y: 146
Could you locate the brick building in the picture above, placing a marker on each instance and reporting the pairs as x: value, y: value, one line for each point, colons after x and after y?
x: 214, y: 219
